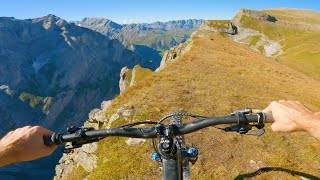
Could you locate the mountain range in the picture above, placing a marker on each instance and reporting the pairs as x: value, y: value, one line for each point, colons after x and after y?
x: 149, y: 40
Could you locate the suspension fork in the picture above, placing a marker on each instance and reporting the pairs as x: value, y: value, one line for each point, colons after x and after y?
x: 175, y: 156
x: 178, y: 166
x: 172, y: 169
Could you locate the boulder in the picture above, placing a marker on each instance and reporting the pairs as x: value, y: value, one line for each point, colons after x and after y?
x: 135, y: 141
x: 6, y: 89
x: 96, y: 115
x: 113, y: 118
x: 123, y: 78
x: 105, y: 105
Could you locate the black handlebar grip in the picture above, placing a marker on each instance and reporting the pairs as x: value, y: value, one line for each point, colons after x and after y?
x: 268, y: 118
x: 48, y: 140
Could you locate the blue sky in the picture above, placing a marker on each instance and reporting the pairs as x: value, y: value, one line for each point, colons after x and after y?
x: 127, y: 11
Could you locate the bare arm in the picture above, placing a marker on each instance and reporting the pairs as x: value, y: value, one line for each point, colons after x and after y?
x: 292, y: 116
x: 24, y: 144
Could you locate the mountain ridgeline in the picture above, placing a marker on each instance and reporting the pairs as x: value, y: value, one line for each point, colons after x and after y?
x: 149, y: 40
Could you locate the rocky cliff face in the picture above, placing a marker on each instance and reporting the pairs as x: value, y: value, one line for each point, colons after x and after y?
x: 52, y: 73
x: 48, y: 57
x: 130, y: 77
x: 254, y: 14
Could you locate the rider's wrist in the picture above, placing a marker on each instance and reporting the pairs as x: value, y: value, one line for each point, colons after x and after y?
x: 311, y: 124
x: 6, y: 155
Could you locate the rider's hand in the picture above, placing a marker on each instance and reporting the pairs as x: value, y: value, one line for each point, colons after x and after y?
x: 292, y: 116
x: 24, y: 144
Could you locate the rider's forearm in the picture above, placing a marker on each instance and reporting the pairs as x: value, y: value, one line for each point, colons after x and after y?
x: 311, y: 124
x: 6, y: 156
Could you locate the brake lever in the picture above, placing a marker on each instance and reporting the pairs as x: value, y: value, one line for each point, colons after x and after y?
x: 80, y: 133
x: 244, y: 128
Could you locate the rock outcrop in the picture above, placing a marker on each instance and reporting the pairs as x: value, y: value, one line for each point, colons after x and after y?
x: 135, y: 141
x: 125, y: 78
x: 6, y: 89
x: 170, y: 55
x: 129, y: 77
x: 223, y: 26
x: 85, y: 156
x: 254, y: 14
x: 257, y: 41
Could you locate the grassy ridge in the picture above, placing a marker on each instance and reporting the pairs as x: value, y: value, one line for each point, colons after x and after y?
x: 215, y: 77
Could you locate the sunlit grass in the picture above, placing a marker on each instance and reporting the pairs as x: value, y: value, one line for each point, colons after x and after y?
x: 216, y: 77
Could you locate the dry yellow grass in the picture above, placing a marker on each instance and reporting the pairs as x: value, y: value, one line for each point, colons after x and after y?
x: 215, y: 77
x: 295, y: 15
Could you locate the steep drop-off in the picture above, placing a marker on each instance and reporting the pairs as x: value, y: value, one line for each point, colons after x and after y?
x: 52, y: 73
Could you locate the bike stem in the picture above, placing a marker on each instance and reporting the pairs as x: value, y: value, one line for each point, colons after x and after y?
x: 170, y: 154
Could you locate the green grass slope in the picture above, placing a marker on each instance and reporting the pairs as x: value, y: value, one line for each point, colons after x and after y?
x: 298, y: 32
x: 159, y: 39
x: 215, y: 77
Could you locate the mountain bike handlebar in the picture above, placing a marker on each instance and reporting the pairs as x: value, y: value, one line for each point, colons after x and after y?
x: 87, y: 135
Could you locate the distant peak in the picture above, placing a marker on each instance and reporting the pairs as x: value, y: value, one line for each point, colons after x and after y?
x: 99, y: 22
x: 50, y: 19
x: 52, y: 16
x: 95, y: 18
